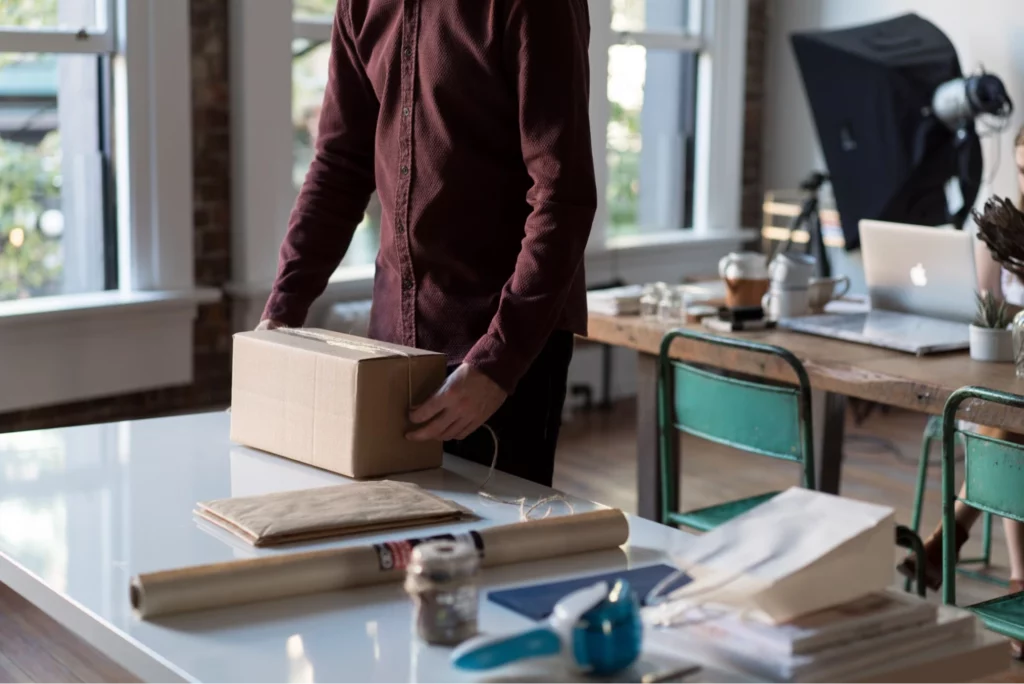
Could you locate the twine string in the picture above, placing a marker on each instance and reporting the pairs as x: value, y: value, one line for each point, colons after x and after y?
x: 524, y: 512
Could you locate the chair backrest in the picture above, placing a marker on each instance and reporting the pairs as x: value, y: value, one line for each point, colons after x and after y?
x: 758, y: 417
x: 993, y: 472
x: 993, y: 468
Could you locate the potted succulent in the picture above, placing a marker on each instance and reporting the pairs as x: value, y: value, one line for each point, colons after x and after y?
x: 991, y: 338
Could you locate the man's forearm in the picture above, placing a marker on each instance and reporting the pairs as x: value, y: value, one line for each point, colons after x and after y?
x: 337, y: 188
x: 534, y: 298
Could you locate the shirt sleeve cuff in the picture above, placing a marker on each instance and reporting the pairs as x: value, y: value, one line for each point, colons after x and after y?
x: 493, y: 358
x: 288, y: 309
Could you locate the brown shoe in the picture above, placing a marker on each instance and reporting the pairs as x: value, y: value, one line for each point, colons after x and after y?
x: 933, y: 558
x: 1016, y: 647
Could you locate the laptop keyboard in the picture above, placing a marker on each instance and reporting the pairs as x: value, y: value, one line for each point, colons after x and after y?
x: 905, y: 332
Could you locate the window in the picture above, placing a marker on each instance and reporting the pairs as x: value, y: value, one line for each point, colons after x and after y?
x: 666, y: 111
x: 652, y: 97
x: 311, y: 51
x: 95, y: 199
x: 56, y: 226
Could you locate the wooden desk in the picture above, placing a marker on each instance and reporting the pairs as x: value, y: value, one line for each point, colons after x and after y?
x: 840, y: 369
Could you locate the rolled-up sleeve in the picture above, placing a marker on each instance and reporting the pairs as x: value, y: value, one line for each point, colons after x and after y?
x: 546, y: 55
x: 337, y: 188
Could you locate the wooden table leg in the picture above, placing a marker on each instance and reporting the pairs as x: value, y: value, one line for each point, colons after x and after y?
x: 648, y: 489
x: 829, y: 461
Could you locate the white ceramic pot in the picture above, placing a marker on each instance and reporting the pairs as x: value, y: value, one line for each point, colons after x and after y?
x: 989, y: 344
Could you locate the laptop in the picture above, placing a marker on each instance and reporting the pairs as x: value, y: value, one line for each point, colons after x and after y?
x: 921, y: 282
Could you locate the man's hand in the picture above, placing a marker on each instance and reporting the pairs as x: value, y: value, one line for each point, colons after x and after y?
x: 465, y: 401
x: 268, y: 324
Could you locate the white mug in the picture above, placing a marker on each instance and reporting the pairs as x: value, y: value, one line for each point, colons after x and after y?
x: 791, y: 270
x: 779, y: 303
x: 743, y: 266
x: 824, y: 290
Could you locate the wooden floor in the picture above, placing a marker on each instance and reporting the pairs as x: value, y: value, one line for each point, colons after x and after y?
x: 596, y: 461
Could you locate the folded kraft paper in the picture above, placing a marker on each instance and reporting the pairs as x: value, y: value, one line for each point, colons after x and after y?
x: 325, y: 512
x: 281, y: 576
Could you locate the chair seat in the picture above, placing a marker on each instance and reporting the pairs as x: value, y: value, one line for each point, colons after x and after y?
x: 707, y: 519
x: 1004, y: 615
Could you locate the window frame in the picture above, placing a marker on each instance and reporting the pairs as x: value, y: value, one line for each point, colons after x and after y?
x: 261, y: 108
x: 718, y: 31
x: 138, y: 336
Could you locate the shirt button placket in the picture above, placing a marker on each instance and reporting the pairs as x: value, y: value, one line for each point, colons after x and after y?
x: 402, y: 233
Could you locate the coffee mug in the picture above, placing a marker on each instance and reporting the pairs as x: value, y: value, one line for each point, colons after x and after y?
x: 792, y: 270
x: 824, y: 290
x: 778, y: 303
x: 743, y: 265
x: 745, y: 275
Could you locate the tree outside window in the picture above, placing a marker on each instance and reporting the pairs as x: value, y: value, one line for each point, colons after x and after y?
x: 31, y: 221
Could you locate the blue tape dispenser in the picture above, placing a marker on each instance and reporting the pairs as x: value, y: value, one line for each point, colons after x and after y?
x: 596, y: 628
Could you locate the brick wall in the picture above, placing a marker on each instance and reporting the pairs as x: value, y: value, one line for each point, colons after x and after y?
x: 212, y: 334
x: 753, y: 187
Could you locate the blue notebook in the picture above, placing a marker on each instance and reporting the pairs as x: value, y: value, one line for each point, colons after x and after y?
x: 537, y: 601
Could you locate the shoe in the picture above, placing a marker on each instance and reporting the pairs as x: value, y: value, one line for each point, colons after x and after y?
x: 933, y: 558
x: 1016, y: 647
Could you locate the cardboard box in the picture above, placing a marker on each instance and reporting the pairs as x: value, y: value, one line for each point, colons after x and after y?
x: 337, y: 402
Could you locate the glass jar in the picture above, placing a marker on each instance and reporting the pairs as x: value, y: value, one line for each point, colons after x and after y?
x: 1018, y: 343
x: 672, y: 308
x: 649, y: 301
x: 442, y: 581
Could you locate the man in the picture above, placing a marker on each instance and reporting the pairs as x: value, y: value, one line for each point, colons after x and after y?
x: 470, y: 119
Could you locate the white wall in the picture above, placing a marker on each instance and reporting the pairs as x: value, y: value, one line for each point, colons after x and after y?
x: 987, y: 33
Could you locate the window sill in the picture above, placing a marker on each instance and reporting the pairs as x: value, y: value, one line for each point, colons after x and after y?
x: 79, y: 347
x: 657, y: 241
x: 93, y: 305
x: 635, y: 258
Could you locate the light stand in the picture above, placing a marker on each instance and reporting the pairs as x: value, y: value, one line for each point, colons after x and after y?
x: 809, y: 220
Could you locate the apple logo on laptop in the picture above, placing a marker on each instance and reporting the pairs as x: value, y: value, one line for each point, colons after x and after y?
x: 918, y: 276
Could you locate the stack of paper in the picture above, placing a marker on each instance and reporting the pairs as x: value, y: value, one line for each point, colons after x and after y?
x: 834, y: 645
x: 615, y: 301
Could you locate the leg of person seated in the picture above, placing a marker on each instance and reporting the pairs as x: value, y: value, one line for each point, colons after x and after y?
x: 1015, y: 546
x: 965, y: 517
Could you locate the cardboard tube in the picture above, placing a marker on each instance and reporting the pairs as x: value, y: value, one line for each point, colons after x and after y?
x: 274, y: 577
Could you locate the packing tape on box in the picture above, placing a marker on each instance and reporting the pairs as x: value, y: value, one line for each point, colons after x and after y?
x: 282, y: 576
x: 368, y: 346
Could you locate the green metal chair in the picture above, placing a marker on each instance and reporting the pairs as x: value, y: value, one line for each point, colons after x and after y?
x: 994, y: 481
x: 769, y: 419
x: 933, y: 433
x: 764, y: 418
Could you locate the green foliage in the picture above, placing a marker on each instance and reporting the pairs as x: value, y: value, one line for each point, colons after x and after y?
x: 26, y: 14
x: 624, y: 171
x: 32, y: 13
x: 30, y: 262
x: 315, y: 8
x: 992, y: 312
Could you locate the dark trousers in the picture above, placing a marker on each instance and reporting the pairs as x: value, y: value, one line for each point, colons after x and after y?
x: 527, y: 423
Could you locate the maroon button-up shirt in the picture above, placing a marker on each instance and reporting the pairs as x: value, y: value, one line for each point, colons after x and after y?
x: 470, y: 119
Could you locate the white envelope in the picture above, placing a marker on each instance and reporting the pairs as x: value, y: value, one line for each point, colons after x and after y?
x: 798, y: 553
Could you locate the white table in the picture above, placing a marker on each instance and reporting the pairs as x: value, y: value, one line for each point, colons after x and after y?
x: 84, y: 509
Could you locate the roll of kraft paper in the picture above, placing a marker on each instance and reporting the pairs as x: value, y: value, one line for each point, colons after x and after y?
x: 274, y: 577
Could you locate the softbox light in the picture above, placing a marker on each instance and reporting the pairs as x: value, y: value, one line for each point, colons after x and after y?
x: 889, y: 157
